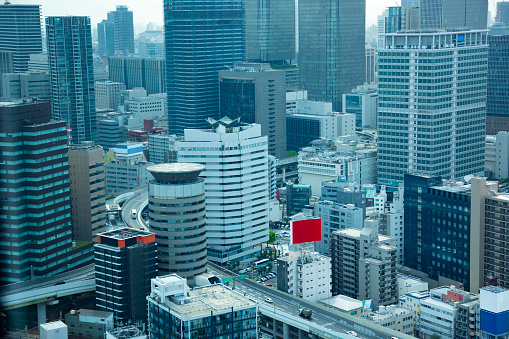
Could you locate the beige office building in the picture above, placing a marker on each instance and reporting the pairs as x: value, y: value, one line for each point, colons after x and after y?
x: 86, y: 173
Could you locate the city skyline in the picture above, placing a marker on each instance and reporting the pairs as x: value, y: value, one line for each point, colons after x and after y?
x: 151, y: 10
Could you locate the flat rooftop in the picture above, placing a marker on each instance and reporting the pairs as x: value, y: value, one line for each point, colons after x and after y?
x: 215, y: 298
x: 343, y: 303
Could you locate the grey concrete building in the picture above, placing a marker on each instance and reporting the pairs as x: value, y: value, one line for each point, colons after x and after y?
x: 336, y: 217
x: 364, y: 264
x: 270, y: 30
x: 331, y: 48
x: 106, y: 94
x: 89, y: 323
x: 86, y: 175
x: 177, y: 217
x: 28, y: 84
x: 38, y: 63
x: 162, y: 148
x: 336, y: 192
x: 256, y: 94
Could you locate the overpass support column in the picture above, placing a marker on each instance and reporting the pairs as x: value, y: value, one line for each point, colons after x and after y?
x: 286, y: 331
x: 41, y: 313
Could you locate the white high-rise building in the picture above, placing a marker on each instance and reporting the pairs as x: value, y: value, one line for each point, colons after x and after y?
x: 236, y: 183
x: 432, y: 104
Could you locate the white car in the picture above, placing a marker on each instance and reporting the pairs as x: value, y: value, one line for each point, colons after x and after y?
x: 352, y: 333
x: 268, y: 300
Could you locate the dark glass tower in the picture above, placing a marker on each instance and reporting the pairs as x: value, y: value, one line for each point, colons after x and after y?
x: 69, y: 40
x: 106, y: 38
x: 270, y: 30
x: 35, y: 205
x: 20, y: 33
x: 202, y: 38
x: 497, y: 104
x: 331, y: 48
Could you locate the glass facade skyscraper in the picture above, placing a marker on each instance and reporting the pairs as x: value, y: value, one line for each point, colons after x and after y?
x: 122, y: 20
x: 331, y: 48
x: 270, y: 30
x: 69, y: 40
x: 20, y: 33
x: 432, y: 104
x: 35, y: 218
x: 202, y: 37
x: 106, y: 38
x: 455, y: 14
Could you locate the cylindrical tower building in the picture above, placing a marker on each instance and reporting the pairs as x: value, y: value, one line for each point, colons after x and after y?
x: 177, y: 217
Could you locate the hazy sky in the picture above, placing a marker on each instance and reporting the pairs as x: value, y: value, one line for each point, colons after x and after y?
x: 151, y: 10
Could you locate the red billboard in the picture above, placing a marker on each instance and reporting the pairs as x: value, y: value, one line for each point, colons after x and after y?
x: 305, y: 231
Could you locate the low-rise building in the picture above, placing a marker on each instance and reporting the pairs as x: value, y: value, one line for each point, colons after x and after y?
x: 204, y: 312
x: 344, y: 304
x: 363, y: 102
x: 407, y: 284
x: 411, y: 301
x: 494, y: 312
x: 162, y: 148
x: 53, y: 330
x: 28, y: 84
x: 438, y: 312
x: 305, y: 274
x: 89, y: 323
x: 297, y: 197
x: 394, y: 317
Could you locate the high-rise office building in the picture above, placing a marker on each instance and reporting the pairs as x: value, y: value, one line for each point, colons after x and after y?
x: 86, y: 174
x: 195, y: 53
x: 237, y: 204
x: 432, y: 104
x: 125, y: 263
x: 138, y: 72
x: 20, y: 33
x: 370, y: 71
x: 497, y: 104
x: 331, y: 48
x: 364, y: 264
x: 106, y: 94
x: 37, y: 239
x: 256, y: 94
x: 453, y: 14
x: 122, y: 19
x: 176, y: 199
x: 270, y: 30
x: 106, y: 38
x: 69, y: 40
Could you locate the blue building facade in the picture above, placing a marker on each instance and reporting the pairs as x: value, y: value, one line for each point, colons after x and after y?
x: 437, y: 228
x: 202, y: 38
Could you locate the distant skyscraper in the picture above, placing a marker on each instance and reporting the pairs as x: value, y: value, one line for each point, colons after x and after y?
x: 237, y: 205
x: 457, y: 14
x: 124, y: 30
x: 69, y: 40
x: 106, y: 38
x: 20, y: 33
x: 503, y: 12
x: 270, y: 30
x: 497, y: 104
x: 256, y: 94
x: 331, y: 48
x: 195, y: 53
x: 138, y: 72
x: 424, y: 127
x: 370, y: 71
x: 36, y: 239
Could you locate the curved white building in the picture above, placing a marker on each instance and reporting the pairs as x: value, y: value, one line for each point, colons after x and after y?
x: 236, y: 184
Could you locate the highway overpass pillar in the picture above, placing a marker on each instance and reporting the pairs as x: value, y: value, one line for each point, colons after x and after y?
x: 286, y: 331
x: 41, y: 313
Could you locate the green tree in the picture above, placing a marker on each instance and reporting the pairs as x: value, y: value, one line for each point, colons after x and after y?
x: 291, y: 154
x: 272, y: 237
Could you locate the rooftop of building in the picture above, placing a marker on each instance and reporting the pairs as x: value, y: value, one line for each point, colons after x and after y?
x: 343, y: 303
x: 10, y: 102
x: 124, y: 233
x: 204, y: 300
x: 91, y: 313
x: 386, y: 312
x: 356, y: 233
x: 176, y: 172
x: 494, y: 289
x: 126, y: 332
x: 85, y: 146
x: 54, y: 325
x: 417, y: 295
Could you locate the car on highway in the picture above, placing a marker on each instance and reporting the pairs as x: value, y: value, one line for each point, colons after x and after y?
x: 352, y: 333
x: 268, y: 300
x: 268, y: 285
